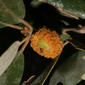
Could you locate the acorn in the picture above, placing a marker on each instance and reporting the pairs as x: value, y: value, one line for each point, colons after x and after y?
x: 47, y: 43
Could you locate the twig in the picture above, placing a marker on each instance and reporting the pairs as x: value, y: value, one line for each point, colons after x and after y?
x: 79, y: 30
x: 62, y: 11
x: 25, y: 41
x: 7, y: 10
x: 11, y: 25
x: 67, y: 13
x: 27, y: 25
x: 30, y: 79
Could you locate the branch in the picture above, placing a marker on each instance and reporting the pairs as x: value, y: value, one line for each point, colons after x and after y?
x: 7, y: 10
x: 80, y: 30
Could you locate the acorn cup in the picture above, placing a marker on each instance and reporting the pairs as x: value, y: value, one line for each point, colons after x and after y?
x: 47, y: 43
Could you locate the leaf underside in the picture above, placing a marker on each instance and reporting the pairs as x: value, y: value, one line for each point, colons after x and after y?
x: 13, y: 75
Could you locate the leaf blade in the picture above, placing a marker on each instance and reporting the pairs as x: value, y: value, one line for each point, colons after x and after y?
x: 15, y: 6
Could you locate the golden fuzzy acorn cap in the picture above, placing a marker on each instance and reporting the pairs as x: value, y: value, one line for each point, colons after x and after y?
x: 47, y: 43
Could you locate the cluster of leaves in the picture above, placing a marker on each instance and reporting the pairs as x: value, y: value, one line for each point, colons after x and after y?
x: 69, y: 68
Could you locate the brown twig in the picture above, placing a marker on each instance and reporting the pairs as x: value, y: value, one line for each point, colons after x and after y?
x: 61, y: 10
x: 30, y: 79
x: 80, y: 30
x: 67, y: 13
x: 27, y: 25
x: 11, y: 25
x: 7, y: 10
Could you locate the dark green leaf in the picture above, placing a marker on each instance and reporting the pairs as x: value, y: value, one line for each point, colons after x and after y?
x: 76, y: 7
x: 70, y: 72
x: 15, y: 6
